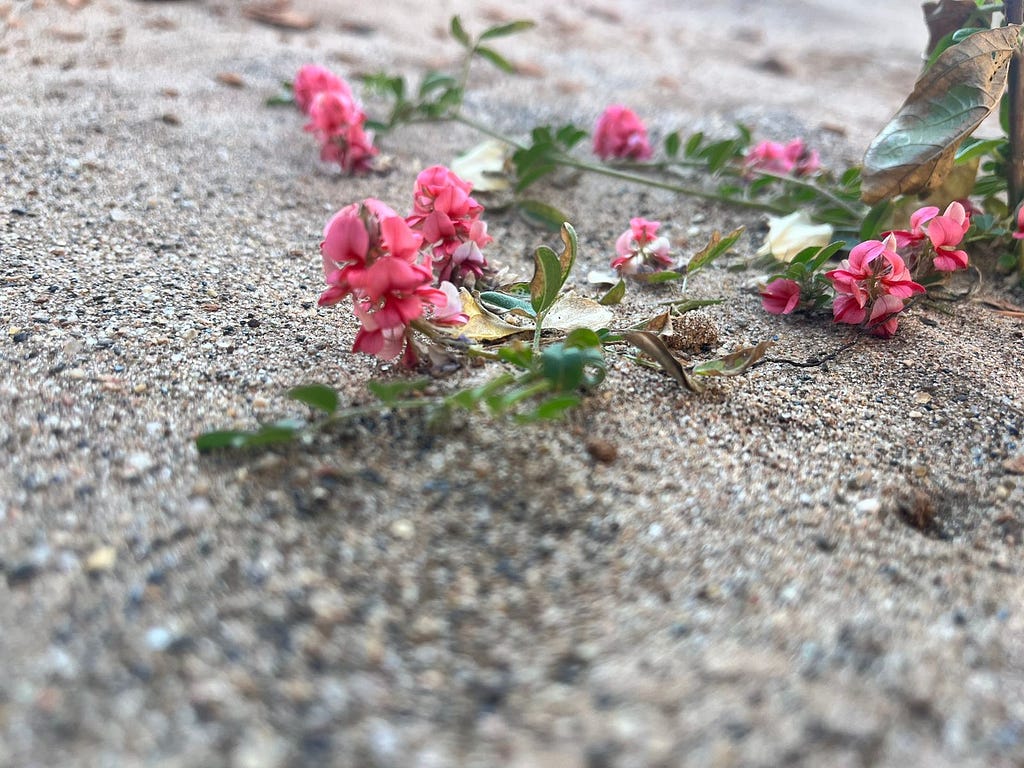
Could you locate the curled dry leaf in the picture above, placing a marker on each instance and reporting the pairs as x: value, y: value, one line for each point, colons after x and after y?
x: 571, y: 311
x: 946, y: 17
x: 915, y: 151
x: 653, y: 346
x: 231, y: 79
x: 734, y: 363
x: 279, y: 14
x: 482, y: 324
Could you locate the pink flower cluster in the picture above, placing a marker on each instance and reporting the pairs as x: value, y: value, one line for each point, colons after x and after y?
x: 371, y: 254
x: 640, y: 250
x: 400, y: 269
x: 772, y: 157
x: 621, y: 134
x: 449, y: 221
x: 873, y: 283
x: 335, y: 118
x: 871, y: 286
x: 945, y: 232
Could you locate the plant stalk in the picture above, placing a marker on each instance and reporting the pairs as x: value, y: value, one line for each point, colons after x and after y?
x: 1014, y: 11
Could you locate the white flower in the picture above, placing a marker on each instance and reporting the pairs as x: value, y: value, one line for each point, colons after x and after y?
x: 788, y: 235
x: 485, y: 166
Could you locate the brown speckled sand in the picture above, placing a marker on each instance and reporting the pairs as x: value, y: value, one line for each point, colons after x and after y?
x: 737, y: 587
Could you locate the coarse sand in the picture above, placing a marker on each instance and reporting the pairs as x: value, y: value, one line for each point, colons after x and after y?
x: 804, y: 566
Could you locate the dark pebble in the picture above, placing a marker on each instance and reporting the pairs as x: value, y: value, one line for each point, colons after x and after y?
x: 20, y: 337
x: 22, y: 574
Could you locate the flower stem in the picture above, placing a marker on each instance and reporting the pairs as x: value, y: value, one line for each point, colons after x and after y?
x: 458, y: 117
x: 634, y: 178
x: 1015, y: 89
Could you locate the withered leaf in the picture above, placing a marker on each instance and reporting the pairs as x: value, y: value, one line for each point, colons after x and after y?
x: 652, y: 345
x: 915, y: 151
x: 483, y: 325
x: 279, y: 14
x: 232, y: 79
x: 734, y: 363
x: 946, y: 17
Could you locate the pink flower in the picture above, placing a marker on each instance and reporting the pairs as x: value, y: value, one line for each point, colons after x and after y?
x: 640, y: 251
x: 780, y: 296
x: 446, y: 308
x: 946, y: 232
x: 312, y: 80
x: 370, y: 253
x: 337, y: 122
x: 768, y: 156
x: 871, y: 285
x: 1019, y: 234
x: 621, y: 134
x: 449, y: 220
x: 773, y: 157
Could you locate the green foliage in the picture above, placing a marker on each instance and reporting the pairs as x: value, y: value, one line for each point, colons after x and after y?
x: 316, y: 396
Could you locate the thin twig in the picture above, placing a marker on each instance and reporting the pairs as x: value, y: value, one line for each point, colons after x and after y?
x: 811, y: 362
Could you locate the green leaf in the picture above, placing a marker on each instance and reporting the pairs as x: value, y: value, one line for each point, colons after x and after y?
x: 915, y: 151
x: 962, y: 34
x: 566, y: 367
x: 672, y: 144
x: 459, y: 33
x: 717, y: 246
x: 615, y: 294
x: 552, y: 408
x: 547, y: 282
x: 504, y: 301
x: 972, y: 148
x: 318, y: 396
x: 519, y: 355
x: 280, y: 100
x: 693, y: 144
x: 542, y: 214
x: 433, y: 81
x: 664, y: 276
x: 653, y: 346
x: 389, y: 392
x: 583, y: 338
x: 570, y: 135
x: 871, y: 227
x: 271, y: 434
x: 512, y: 28
x: 732, y: 364
x: 228, y: 438
x: 495, y: 58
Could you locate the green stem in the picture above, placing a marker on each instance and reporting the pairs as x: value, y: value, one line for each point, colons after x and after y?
x: 458, y: 117
x: 796, y: 181
x: 569, y: 162
x: 537, y: 330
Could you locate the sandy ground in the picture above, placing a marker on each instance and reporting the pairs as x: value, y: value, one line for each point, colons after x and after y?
x: 738, y: 587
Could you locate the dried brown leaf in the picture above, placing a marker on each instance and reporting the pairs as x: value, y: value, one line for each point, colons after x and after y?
x: 652, y: 345
x: 946, y: 17
x: 915, y: 151
x: 232, y: 79
x: 279, y: 14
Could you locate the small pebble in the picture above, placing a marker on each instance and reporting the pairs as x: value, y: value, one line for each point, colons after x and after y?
x: 101, y: 560
x: 868, y: 506
x: 402, y: 529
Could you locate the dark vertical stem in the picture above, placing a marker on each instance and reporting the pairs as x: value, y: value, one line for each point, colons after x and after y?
x: 1014, y: 11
